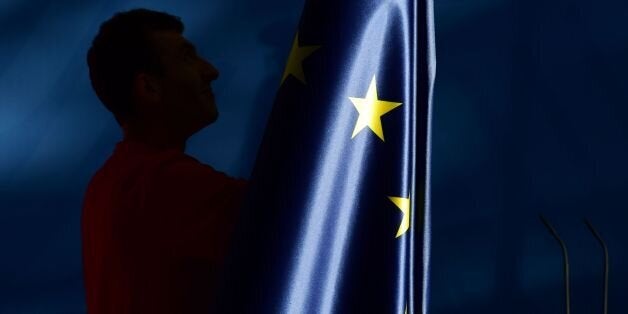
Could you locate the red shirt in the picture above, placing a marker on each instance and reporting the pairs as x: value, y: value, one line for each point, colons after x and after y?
x: 156, y: 225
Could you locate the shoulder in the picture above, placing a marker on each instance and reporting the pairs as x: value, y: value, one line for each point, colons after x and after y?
x: 185, y: 168
x: 184, y: 175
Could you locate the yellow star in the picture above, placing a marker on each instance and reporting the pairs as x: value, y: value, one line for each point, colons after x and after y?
x: 294, y: 66
x: 404, y: 205
x: 371, y: 110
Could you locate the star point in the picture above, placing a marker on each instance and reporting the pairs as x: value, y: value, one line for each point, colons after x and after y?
x: 371, y: 109
x: 404, y: 205
x: 294, y: 66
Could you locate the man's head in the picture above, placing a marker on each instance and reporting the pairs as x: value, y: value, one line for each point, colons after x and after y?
x: 146, y: 73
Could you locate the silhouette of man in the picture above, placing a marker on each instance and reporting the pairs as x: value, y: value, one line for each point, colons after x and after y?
x: 156, y: 222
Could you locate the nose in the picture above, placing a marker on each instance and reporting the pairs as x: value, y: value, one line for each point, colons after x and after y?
x: 210, y: 72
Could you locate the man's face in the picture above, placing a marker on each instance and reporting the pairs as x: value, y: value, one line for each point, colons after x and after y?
x: 184, y: 86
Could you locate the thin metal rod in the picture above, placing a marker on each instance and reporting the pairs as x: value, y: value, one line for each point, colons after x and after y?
x: 565, y: 261
x: 606, y: 262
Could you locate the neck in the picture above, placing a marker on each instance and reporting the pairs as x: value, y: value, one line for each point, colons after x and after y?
x: 158, y: 137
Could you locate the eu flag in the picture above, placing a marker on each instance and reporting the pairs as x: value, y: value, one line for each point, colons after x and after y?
x: 337, y: 216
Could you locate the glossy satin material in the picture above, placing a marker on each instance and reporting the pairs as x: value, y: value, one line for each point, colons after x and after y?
x: 337, y: 217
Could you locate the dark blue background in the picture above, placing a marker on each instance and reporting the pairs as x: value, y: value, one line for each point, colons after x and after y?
x: 528, y: 117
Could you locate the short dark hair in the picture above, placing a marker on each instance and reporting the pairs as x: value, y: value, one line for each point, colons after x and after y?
x: 122, y: 49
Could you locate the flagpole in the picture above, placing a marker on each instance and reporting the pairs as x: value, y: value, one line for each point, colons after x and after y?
x: 565, y: 261
x: 606, y: 262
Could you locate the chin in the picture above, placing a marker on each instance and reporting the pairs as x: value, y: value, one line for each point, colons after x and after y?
x: 213, y: 116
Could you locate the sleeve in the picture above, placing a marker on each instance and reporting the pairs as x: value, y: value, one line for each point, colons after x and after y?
x: 195, y: 209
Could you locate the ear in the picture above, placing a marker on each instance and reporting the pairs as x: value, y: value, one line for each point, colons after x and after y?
x: 146, y: 88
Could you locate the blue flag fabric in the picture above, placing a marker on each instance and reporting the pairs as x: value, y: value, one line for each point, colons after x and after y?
x: 337, y: 216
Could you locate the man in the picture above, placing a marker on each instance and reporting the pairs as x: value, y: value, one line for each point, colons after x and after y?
x: 156, y: 223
